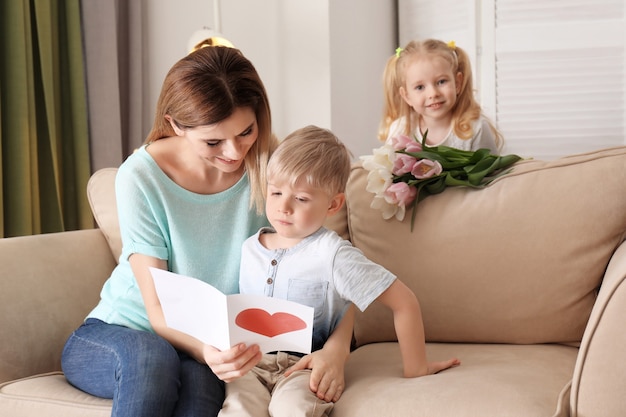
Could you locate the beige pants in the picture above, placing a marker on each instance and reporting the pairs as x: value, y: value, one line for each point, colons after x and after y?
x: 265, y: 392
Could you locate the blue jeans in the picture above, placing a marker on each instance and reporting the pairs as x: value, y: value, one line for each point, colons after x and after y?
x: 143, y: 374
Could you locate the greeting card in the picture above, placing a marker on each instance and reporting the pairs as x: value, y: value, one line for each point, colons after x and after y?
x: 194, y: 307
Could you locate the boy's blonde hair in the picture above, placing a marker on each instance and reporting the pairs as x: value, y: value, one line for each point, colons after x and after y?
x: 466, y: 109
x: 313, y: 156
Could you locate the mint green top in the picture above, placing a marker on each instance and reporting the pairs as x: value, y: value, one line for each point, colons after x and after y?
x: 199, y: 235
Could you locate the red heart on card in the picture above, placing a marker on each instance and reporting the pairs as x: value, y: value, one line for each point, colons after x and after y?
x: 260, y: 321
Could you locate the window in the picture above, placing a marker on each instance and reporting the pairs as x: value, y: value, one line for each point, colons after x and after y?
x: 551, y: 74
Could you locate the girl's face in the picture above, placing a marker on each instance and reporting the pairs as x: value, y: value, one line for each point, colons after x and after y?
x: 431, y: 87
x: 224, y: 145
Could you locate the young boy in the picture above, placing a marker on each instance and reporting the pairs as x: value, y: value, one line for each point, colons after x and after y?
x: 299, y: 260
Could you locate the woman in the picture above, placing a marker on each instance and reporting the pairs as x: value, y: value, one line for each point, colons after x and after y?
x: 186, y: 200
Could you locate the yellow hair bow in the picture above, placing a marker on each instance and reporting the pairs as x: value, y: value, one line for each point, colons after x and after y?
x: 452, y: 45
x: 398, y: 51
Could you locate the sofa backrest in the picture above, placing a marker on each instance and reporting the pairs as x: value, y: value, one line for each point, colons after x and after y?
x: 516, y: 262
x: 101, y: 196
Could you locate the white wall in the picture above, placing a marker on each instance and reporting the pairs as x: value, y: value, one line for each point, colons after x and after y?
x: 363, y: 36
x: 168, y: 26
x: 321, y: 61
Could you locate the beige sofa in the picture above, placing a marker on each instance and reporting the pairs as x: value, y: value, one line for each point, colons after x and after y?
x: 524, y: 281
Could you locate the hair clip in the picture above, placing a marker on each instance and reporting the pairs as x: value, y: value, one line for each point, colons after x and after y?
x: 452, y: 45
x: 398, y: 51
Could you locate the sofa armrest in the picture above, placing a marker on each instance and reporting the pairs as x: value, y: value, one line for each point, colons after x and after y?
x: 48, y: 283
x: 599, y: 380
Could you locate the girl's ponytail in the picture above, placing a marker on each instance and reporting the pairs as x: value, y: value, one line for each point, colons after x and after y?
x: 467, y: 108
x: 391, y: 98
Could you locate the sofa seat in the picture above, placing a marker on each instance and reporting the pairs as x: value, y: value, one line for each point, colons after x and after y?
x: 50, y: 392
x: 494, y: 380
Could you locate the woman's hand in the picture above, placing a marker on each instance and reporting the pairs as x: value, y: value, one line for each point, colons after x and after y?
x: 226, y: 365
x: 233, y: 363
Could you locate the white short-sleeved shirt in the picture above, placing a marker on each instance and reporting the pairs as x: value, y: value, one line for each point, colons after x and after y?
x: 323, y: 271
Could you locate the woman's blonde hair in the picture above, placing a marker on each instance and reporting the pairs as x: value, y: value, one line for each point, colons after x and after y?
x: 206, y: 87
x: 466, y: 109
x: 313, y: 156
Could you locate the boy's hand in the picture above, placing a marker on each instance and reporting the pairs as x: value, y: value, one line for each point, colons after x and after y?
x: 327, y: 377
x: 434, y: 367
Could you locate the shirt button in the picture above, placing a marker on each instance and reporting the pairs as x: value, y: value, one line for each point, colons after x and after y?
x: 274, y: 263
x: 270, y: 281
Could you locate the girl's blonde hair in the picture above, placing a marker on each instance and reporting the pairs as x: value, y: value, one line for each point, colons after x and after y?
x: 313, y: 156
x: 466, y: 109
x: 205, y: 88
x: 391, y: 96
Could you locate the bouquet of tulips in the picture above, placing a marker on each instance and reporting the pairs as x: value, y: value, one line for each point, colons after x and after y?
x: 404, y: 172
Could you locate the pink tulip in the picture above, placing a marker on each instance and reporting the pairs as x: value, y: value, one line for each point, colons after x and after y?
x: 405, y: 143
x: 403, y: 163
x: 400, y: 193
x: 425, y: 168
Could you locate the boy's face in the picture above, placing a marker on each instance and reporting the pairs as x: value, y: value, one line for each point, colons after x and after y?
x: 297, y: 211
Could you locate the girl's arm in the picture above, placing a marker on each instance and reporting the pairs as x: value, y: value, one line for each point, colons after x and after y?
x: 407, y: 318
x: 226, y: 365
x: 327, y: 364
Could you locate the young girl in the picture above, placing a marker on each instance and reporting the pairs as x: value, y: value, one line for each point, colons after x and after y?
x: 186, y: 201
x: 428, y: 87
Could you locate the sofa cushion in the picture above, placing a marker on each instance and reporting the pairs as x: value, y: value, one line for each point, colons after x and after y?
x: 492, y: 381
x: 516, y: 262
x: 101, y: 195
x: 49, y: 395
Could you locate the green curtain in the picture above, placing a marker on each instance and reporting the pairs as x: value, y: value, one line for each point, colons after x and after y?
x: 44, y: 161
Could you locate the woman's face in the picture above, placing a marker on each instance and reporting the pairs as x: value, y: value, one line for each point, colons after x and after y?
x: 224, y: 145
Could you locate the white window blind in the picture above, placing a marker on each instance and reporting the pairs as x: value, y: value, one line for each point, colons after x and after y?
x: 440, y: 19
x: 551, y: 73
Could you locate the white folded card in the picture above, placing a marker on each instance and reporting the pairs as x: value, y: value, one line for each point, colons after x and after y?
x: 204, y: 312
